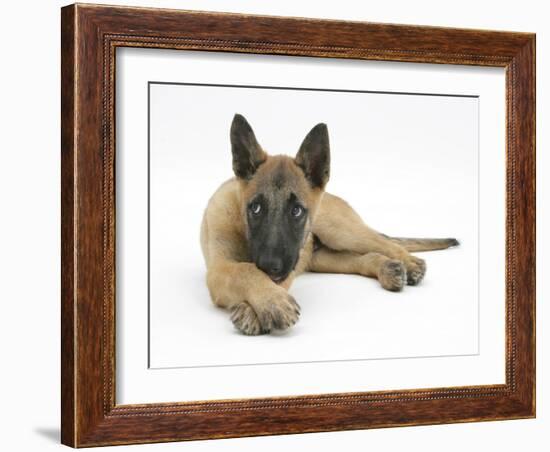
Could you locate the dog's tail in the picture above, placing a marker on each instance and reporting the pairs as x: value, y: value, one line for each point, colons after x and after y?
x: 415, y: 245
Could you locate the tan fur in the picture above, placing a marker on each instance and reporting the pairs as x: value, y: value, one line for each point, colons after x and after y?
x: 345, y: 245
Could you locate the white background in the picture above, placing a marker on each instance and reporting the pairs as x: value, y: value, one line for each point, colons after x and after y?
x: 420, y: 173
x: 30, y: 226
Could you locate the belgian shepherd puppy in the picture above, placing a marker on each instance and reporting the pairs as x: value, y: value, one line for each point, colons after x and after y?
x: 274, y: 220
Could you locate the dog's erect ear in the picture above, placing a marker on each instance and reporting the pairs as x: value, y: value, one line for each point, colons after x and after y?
x: 314, y: 156
x: 247, y: 153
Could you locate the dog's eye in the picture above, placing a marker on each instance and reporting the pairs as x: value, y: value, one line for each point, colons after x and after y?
x: 255, y: 208
x: 297, y: 211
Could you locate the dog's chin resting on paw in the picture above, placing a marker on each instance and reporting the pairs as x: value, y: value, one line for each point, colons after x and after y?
x: 274, y: 220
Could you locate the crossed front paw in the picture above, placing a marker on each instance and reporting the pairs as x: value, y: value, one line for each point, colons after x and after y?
x: 275, y: 311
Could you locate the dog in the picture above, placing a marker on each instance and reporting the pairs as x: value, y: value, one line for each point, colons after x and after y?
x: 274, y: 221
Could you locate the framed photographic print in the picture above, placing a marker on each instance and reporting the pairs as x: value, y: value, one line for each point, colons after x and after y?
x: 280, y: 225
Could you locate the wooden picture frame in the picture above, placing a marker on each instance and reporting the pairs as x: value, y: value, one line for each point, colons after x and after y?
x: 90, y: 35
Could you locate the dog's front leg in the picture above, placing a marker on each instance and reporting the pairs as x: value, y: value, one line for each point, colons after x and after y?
x: 257, y: 304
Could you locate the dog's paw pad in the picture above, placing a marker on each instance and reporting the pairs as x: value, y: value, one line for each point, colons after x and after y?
x: 244, y: 318
x: 393, y: 275
x: 416, y: 269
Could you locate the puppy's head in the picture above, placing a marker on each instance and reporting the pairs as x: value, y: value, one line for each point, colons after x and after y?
x: 280, y: 195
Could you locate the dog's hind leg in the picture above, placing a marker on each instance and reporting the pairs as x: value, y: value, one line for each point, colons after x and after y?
x: 340, y: 228
x: 391, y: 273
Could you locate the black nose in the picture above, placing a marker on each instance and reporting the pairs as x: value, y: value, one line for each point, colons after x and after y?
x: 272, y: 265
